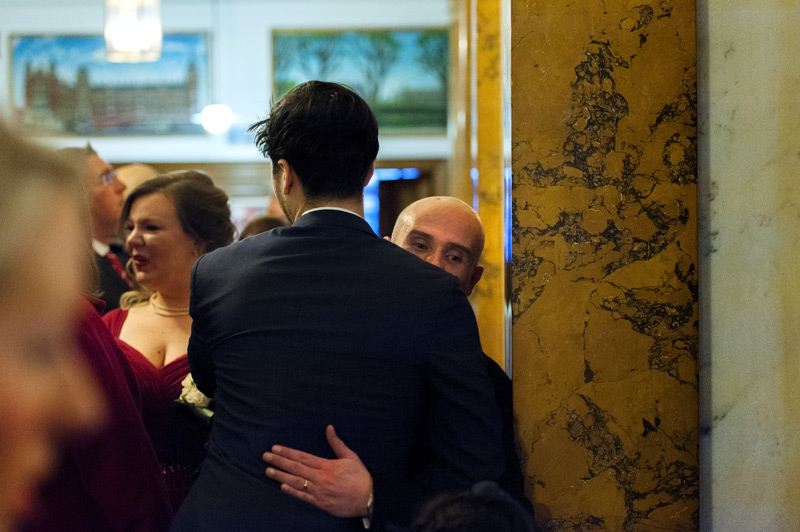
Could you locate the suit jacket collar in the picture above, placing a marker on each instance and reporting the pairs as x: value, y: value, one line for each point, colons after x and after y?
x: 334, y: 217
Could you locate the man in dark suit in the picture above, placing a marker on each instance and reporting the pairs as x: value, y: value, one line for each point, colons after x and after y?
x: 325, y: 323
x: 105, y: 203
x: 446, y: 232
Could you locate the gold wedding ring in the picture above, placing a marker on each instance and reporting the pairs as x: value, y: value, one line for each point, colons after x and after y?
x: 305, y: 485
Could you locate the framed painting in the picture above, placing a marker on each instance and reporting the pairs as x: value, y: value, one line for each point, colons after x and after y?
x: 402, y: 73
x: 62, y: 85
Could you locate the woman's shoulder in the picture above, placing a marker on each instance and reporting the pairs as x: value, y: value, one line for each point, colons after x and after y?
x: 114, y: 320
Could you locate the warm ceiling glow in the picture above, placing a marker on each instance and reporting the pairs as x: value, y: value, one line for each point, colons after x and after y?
x: 133, y: 31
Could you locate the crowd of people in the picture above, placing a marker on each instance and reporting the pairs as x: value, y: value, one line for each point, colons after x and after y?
x: 348, y: 385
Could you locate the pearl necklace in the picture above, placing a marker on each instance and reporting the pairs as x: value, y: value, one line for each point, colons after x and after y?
x: 161, y: 310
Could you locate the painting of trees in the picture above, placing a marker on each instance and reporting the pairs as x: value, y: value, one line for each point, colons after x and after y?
x: 375, y: 53
x: 402, y: 74
x: 433, y: 54
x: 316, y: 55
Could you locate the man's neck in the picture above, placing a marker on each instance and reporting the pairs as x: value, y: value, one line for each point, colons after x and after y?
x: 102, y: 235
x: 354, y: 205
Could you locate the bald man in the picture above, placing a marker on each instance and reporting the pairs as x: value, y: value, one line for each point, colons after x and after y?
x: 444, y: 231
x: 133, y: 175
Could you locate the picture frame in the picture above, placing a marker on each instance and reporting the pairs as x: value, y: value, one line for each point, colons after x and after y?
x: 61, y: 85
x: 403, y: 74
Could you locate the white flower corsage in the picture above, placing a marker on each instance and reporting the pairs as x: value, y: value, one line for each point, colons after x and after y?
x: 191, y: 395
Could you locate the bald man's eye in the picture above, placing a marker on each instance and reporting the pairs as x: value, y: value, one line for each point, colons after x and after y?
x: 456, y: 258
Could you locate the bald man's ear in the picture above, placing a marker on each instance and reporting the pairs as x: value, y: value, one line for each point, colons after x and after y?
x: 473, y: 280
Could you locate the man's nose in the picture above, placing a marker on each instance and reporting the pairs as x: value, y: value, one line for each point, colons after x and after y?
x: 436, y: 258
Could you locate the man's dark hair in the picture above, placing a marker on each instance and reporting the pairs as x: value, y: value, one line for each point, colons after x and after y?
x: 328, y: 135
x: 485, y: 507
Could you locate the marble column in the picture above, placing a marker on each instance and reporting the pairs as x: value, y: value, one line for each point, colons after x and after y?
x: 604, y: 282
x: 490, y: 293
x: 749, y: 138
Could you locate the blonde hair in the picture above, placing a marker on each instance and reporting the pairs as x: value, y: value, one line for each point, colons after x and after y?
x: 138, y: 294
x: 32, y: 178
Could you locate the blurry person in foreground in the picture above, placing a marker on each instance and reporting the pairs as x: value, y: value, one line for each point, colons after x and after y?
x: 108, y: 480
x: 46, y: 392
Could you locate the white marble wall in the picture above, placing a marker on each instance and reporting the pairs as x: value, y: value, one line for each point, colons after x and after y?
x: 749, y: 128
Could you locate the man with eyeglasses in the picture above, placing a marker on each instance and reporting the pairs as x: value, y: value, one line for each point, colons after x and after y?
x: 105, y: 205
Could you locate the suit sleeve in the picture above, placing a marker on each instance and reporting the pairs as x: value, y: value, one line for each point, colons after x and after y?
x: 512, y: 479
x: 200, y: 363
x: 464, y: 421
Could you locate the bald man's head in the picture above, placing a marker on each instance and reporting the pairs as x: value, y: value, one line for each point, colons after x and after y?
x: 446, y: 232
x: 134, y: 175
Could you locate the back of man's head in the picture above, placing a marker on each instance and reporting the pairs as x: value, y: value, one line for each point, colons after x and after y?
x: 485, y: 507
x: 328, y: 135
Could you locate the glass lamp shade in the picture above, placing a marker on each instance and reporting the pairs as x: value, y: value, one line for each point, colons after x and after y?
x: 133, y: 31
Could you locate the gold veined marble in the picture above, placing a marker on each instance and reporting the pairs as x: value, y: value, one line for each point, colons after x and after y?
x: 491, y: 291
x: 604, y: 272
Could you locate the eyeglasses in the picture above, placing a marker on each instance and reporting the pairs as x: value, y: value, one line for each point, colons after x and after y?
x: 108, y: 177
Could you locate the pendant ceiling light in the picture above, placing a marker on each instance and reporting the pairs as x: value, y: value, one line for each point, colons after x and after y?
x: 133, y: 31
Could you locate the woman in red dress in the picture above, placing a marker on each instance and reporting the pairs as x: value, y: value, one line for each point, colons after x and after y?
x: 170, y: 221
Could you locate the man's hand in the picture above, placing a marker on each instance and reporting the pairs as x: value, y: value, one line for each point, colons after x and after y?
x: 341, y: 486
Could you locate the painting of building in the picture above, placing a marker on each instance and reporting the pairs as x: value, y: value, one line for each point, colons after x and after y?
x: 63, y: 85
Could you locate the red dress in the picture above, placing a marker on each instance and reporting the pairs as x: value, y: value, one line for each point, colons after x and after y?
x: 179, y: 443
x: 109, y: 480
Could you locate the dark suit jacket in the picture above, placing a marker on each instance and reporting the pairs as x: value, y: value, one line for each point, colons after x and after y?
x: 512, y: 480
x: 325, y: 323
x: 112, y: 286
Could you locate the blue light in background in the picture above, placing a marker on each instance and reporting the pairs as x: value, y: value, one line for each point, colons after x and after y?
x: 473, y: 174
x: 508, y: 222
x: 372, y: 202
